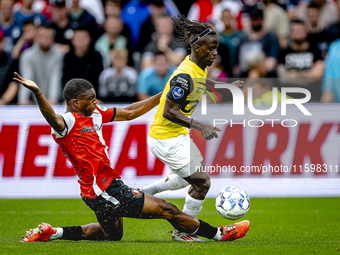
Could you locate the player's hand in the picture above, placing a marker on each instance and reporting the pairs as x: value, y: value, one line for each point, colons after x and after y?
x: 27, y: 83
x: 238, y: 84
x: 209, y: 132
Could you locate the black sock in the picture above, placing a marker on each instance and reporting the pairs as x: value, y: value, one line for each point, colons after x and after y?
x: 74, y: 233
x: 206, y: 230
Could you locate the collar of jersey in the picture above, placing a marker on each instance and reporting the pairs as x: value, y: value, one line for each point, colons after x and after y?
x: 197, y: 69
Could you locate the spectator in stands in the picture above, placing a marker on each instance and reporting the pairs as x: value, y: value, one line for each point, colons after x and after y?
x: 334, y: 29
x: 148, y: 30
x: 317, y: 34
x: 42, y: 63
x: 254, y: 62
x: 212, y: 10
x: 276, y: 20
x: 331, y: 81
x: 80, y: 18
x: 95, y: 8
x: 111, y: 39
x: 44, y: 7
x: 165, y: 42
x: 152, y: 80
x: 82, y: 61
x: 118, y: 83
x: 8, y: 87
x: 328, y: 12
x: 112, y: 8
x: 11, y: 27
x: 301, y: 60
x: 26, y: 13
x: 26, y: 40
x: 136, y: 12
x: 261, y: 40
x: 293, y: 7
x: 39, y: 6
x: 215, y: 71
x: 62, y: 26
x: 230, y: 38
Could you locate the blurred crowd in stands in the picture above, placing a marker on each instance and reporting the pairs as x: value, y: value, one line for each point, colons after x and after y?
x: 127, y: 49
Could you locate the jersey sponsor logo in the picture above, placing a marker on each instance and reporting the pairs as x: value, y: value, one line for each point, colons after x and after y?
x: 183, y: 82
x: 89, y: 129
x: 178, y: 93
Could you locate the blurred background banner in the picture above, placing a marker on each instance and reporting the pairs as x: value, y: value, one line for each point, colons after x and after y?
x: 266, y: 161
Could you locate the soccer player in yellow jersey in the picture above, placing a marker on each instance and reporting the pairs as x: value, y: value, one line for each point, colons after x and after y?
x: 169, y: 137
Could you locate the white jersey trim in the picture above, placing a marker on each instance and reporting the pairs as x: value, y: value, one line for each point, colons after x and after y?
x: 69, y: 123
x: 98, y: 119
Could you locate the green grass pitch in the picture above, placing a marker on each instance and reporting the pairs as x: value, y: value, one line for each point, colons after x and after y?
x: 278, y: 226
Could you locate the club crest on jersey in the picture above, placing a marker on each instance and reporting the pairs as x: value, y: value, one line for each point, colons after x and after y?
x: 136, y: 192
x: 103, y: 108
x: 178, y: 93
x: 89, y: 129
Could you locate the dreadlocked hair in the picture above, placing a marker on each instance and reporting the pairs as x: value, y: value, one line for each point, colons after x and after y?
x: 188, y: 29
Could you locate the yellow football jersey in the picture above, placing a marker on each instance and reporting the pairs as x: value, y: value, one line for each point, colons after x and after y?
x: 184, y: 88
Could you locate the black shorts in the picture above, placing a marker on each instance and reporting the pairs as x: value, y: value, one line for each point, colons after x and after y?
x: 123, y: 201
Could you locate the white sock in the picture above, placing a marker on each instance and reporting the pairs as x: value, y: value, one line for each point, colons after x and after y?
x: 192, y: 206
x: 218, y: 236
x: 171, y: 182
x: 57, y: 235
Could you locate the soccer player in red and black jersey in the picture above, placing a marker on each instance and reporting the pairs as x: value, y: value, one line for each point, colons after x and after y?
x: 79, y: 134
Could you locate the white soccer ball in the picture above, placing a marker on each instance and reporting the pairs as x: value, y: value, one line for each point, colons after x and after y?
x: 232, y: 203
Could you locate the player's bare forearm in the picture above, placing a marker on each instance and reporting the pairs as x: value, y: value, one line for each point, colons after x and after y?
x: 137, y: 109
x: 172, y: 112
x: 55, y: 120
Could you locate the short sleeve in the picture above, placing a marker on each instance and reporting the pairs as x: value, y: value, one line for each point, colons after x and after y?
x: 181, y: 86
x: 108, y: 114
x: 69, y: 120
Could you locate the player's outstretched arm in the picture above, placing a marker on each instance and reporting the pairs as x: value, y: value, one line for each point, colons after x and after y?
x: 137, y: 109
x: 55, y: 120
